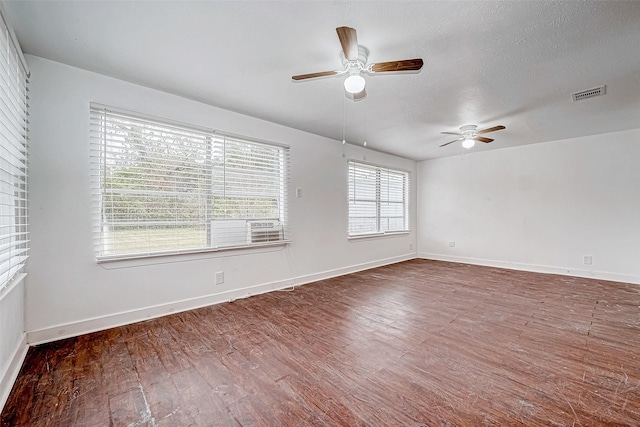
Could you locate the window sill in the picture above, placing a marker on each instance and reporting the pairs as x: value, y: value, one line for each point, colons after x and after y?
x: 187, y: 255
x: 8, y: 287
x: 375, y: 235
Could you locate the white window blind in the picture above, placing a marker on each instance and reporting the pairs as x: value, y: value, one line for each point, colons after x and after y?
x: 13, y: 157
x: 378, y: 200
x: 165, y: 188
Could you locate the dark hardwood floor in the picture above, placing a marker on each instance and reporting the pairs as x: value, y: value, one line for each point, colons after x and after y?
x: 419, y: 343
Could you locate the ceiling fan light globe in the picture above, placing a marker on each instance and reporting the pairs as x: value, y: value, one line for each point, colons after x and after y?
x: 468, y: 143
x: 354, y: 84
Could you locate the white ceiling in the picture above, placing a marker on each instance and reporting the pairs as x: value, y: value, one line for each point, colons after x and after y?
x: 513, y: 63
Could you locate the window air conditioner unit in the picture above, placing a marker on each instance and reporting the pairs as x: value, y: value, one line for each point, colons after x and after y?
x: 228, y: 233
x: 264, y: 231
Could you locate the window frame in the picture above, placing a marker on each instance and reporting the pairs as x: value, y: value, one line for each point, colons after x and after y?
x: 209, y: 140
x: 352, y: 165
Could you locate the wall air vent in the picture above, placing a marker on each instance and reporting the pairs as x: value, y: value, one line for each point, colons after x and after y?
x: 590, y: 93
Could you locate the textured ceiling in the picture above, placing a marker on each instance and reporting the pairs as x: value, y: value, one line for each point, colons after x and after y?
x: 486, y: 62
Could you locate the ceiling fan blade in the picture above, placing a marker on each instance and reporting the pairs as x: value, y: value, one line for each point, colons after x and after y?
x: 349, y: 41
x: 404, y: 65
x: 451, y: 133
x: 493, y: 129
x: 482, y: 139
x: 451, y: 142
x: 315, y: 75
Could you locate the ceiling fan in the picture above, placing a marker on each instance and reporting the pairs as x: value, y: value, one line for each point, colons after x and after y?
x: 355, y: 63
x: 469, y: 135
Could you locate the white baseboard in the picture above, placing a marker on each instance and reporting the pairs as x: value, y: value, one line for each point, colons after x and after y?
x: 590, y: 274
x: 73, y: 329
x: 8, y: 378
x: 351, y: 269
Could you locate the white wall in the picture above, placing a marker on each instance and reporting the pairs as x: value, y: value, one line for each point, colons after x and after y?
x: 68, y: 293
x: 539, y: 207
x: 13, y: 346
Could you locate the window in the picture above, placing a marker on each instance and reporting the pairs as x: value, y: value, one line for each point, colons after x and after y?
x: 13, y: 157
x: 167, y: 188
x: 377, y: 200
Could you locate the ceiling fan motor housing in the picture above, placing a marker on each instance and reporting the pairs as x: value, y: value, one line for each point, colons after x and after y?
x: 354, y: 67
x: 468, y: 130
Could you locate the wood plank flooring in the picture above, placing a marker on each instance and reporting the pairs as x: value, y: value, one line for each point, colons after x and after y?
x: 418, y: 343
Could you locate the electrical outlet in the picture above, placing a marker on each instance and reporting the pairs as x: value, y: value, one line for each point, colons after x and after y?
x: 588, y: 260
x: 219, y: 277
x: 452, y: 244
x: 410, y: 246
x: 299, y: 193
